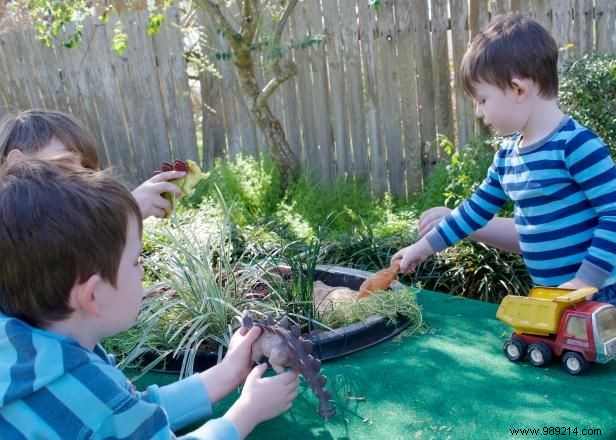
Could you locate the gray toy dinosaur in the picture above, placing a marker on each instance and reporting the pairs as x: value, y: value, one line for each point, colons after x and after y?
x: 285, y: 348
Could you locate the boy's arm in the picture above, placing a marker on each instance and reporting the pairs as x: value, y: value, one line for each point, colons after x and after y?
x: 472, y: 215
x: 591, y: 166
x: 139, y: 418
x: 499, y: 232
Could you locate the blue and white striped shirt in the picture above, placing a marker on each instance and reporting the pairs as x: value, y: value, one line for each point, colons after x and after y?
x: 564, y: 193
x: 53, y: 388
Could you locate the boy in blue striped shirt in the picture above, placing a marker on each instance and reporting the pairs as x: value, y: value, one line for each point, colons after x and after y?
x: 558, y: 173
x: 70, y: 241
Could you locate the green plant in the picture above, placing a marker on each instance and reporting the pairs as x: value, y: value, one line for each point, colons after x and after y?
x: 193, y: 258
x: 474, y: 270
x: 588, y: 93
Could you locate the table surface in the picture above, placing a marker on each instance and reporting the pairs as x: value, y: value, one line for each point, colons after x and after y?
x: 451, y: 381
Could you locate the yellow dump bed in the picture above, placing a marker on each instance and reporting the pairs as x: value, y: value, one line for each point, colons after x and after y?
x: 540, y: 312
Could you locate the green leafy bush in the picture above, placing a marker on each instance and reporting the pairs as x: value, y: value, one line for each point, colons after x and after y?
x: 588, y: 94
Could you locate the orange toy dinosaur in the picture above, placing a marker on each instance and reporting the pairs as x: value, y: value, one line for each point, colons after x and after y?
x: 380, y: 280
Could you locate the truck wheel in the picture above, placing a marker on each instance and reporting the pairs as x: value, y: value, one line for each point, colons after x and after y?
x: 539, y: 354
x: 574, y: 363
x: 515, y: 349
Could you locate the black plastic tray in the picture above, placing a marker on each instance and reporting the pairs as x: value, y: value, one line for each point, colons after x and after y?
x: 327, y: 344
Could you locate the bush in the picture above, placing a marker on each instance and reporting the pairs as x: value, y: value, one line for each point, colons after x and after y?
x: 588, y: 94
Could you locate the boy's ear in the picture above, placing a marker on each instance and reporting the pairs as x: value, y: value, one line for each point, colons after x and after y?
x: 83, y: 297
x: 521, y: 87
x: 13, y: 155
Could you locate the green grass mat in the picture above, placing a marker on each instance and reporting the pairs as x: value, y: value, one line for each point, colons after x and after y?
x: 453, y: 382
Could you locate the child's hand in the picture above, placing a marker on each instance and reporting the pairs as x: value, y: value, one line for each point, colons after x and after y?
x: 430, y: 218
x: 223, y: 378
x: 413, y: 255
x: 262, y: 398
x: 237, y: 361
x: 149, y: 193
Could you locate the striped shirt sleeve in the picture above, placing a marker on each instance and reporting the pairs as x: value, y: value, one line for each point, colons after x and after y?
x: 472, y: 214
x: 591, y: 166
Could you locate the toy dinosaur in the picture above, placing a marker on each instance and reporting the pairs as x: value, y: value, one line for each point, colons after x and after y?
x: 186, y: 184
x: 285, y: 348
x: 380, y: 280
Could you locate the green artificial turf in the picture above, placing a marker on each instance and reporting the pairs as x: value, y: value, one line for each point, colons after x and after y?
x: 452, y: 382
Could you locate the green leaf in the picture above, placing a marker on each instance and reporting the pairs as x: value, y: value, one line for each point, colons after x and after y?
x: 153, y: 26
x: 376, y: 4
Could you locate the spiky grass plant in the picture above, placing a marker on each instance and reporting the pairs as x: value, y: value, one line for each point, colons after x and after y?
x: 193, y: 258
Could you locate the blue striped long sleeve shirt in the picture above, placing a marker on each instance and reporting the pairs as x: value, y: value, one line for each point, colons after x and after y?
x: 53, y: 388
x: 564, y: 193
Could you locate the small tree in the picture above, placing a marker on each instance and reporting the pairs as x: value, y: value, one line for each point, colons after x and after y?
x: 242, y: 41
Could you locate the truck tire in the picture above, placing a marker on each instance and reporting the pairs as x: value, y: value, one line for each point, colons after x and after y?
x: 574, y: 363
x: 515, y: 349
x: 539, y: 354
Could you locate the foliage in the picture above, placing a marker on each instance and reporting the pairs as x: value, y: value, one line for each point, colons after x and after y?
x: 588, y: 94
x: 451, y: 182
x: 193, y: 257
x: 474, y: 270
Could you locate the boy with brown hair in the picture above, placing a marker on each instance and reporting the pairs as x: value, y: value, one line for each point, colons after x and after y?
x: 50, y: 131
x: 559, y: 174
x: 70, y: 240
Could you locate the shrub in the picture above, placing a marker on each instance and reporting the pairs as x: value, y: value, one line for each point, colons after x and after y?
x: 588, y: 94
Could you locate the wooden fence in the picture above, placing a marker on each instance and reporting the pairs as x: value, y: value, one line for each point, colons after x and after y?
x: 136, y: 105
x: 368, y: 101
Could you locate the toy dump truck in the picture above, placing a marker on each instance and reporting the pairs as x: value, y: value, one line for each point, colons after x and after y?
x: 561, y: 322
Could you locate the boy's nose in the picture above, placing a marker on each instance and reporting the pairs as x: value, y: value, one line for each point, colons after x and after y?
x: 478, y: 112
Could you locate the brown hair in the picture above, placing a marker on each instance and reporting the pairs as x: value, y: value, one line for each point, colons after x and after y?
x: 30, y: 131
x: 59, y: 224
x: 511, y: 46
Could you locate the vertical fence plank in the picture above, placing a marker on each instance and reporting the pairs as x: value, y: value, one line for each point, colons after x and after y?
x: 138, y: 87
x: 465, y: 116
x: 355, y: 87
x: 582, y: 26
x: 323, y: 125
x: 290, y: 98
x: 442, y: 75
x: 413, y: 154
x: 105, y: 98
x: 367, y: 17
x: 562, y: 30
x: 423, y: 61
x: 605, y: 22
x: 305, y: 109
x: 78, y: 91
x: 338, y: 94
x: 389, y: 103
x: 173, y: 80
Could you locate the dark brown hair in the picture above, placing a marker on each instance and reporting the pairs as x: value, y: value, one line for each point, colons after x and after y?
x: 60, y: 223
x: 30, y: 131
x: 511, y: 46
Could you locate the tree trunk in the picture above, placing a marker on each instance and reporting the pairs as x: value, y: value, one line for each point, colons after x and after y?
x: 255, y: 97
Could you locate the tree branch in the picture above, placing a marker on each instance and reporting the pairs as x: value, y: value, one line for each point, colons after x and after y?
x: 221, y: 21
x: 289, y: 70
x: 249, y: 24
x: 283, y: 22
x: 278, y: 34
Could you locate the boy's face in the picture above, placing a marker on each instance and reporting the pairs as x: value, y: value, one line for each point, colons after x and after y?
x: 121, y: 304
x: 500, y: 110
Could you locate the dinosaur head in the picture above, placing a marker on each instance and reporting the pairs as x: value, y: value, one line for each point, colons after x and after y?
x: 186, y: 184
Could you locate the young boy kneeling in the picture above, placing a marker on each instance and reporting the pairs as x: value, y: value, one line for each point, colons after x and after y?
x: 70, y: 274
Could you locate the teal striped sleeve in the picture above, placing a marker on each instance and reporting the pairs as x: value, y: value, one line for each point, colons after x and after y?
x: 185, y: 401
x: 472, y: 214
